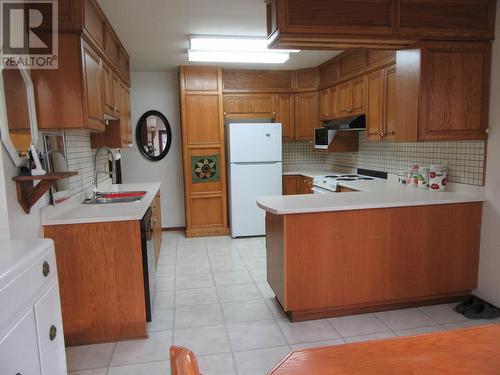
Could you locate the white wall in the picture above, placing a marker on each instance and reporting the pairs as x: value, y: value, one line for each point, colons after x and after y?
x: 158, y: 91
x: 489, y: 265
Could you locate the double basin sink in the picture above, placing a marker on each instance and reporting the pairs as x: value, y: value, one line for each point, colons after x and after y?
x: 116, y: 197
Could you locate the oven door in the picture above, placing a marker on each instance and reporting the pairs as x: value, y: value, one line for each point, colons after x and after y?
x: 319, y: 190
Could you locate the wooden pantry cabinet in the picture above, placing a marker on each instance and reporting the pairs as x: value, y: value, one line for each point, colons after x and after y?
x: 203, y: 142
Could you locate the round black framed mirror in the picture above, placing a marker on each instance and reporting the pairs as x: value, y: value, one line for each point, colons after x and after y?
x: 153, y: 135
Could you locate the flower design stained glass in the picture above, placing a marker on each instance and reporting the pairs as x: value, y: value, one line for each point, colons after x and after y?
x: 205, y: 168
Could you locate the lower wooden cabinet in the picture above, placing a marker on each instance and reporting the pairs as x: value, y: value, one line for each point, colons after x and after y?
x: 297, y: 184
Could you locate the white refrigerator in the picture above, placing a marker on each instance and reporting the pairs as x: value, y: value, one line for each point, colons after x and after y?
x: 254, y: 170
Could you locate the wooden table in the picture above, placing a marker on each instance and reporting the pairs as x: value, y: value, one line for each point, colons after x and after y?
x: 463, y: 351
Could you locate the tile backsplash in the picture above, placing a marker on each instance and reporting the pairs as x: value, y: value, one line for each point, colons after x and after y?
x: 81, y: 159
x: 465, y: 159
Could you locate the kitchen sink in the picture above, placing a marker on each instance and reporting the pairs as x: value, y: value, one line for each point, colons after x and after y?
x: 116, y: 197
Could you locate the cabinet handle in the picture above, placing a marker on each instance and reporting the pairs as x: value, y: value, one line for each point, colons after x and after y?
x: 487, y: 130
x: 46, y: 269
x: 52, y: 332
x: 382, y: 134
x: 274, y: 113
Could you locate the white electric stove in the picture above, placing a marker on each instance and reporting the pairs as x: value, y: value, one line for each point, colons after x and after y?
x: 329, y: 183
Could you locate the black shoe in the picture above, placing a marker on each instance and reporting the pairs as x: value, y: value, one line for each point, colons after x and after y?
x: 486, y: 311
x: 471, y: 303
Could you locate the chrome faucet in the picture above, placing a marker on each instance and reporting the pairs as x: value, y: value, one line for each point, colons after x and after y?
x: 111, y: 173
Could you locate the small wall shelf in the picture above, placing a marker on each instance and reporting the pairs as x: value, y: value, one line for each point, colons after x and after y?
x: 28, y: 193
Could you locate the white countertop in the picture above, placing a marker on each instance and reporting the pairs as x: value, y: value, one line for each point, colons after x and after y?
x: 370, y: 194
x: 16, y: 255
x: 74, y: 211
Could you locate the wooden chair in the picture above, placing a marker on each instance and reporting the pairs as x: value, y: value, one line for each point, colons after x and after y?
x: 183, y: 361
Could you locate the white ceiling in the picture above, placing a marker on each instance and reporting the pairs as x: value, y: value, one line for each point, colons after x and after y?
x: 155, y: 32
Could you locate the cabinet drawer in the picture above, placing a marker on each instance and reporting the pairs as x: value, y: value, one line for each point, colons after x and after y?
x: 18, y: 349
x: 21, y: 291
x: 49, y: 331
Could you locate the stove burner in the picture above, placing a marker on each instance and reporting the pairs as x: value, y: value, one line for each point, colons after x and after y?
x: 332, y: 176
x: 346, y: 179
x: 349, y: 175
x: 365, y: 178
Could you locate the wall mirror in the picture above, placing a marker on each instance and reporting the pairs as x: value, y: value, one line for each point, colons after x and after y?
x: 55, y: 160
x: 18, y: 123
x: 153, y: 135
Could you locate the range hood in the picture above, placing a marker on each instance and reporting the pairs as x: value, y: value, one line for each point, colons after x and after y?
x: 347, y: 123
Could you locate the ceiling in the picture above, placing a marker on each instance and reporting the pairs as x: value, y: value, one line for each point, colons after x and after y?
x: 155, y: 32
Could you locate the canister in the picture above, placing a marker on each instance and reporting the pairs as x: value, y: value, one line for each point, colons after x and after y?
x: 423, y: 178
x: 437, y: 177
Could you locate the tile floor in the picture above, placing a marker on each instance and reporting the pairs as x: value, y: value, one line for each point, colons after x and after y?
x: 212, y: 297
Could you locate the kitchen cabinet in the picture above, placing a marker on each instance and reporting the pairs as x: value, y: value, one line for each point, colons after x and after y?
x: 306, y: 115
x: 296, y: 184
x: 92, y: 63
x: 381, y: 105
x: 350, y: 97
x: 92, y: 89
x: 285, y: 114
x: 344, y: 24
x: 32, y: 337
x: 378, y: 58
x: 118, y: 131
x: 342, y: 189
x: 351, y: 64
x: 353, y: 260
x: 306, y: 79
x: 327, y: 104
x: 442, y: 91
x: 250, y: 106
x: 291, y: 184
x: 157, y: 229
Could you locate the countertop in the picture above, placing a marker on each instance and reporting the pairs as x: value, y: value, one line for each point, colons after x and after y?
x: 369, y: 194
x: 74, y: 211
x: 310, y: 170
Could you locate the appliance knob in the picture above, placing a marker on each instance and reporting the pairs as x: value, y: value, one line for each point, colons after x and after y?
x: 45, y: 269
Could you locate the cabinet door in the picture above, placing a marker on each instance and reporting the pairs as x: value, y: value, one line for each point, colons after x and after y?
x: 50, y: 334
x: 333, y: 102
x: 357, y: 96
x: 117, y: 95
x: 93, y: 89
x: 306, y: 185
x: 325, y: 104
x: 343, y: 99
x: 18, y: 349
x: 375, y: 104
x: 108, y: 90
x: 306, y: 115
x: 125, y: 123
x: 454, y: 91
x: 390, y: 104
x: 250, y: 106
x: 286, y: 116
x: 291, y: 185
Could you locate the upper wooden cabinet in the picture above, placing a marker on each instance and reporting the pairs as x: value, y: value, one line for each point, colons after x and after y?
x: 328, y: 104
x: 442, y: 91
x: 381, y: 105
x: 257, y: 81
x: 350, y: 98
x: 376, y: 23
x: 377, y: 58
x: 306, y: 79
x: 351, y: 64
x: 285, y: 114
x: 306, y: 115
x: 250, y: 106
x: 92, y: 88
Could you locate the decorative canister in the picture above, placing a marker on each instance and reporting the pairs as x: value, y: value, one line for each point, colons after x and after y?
x: 403, y: 178
x: 437, y: 177
x: 413, y: 177
x: 423, y: 178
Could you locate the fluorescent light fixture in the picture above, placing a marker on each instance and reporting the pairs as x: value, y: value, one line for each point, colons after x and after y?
x: 235, y: 50
x: 231, y: 43
x: 239, y: 57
